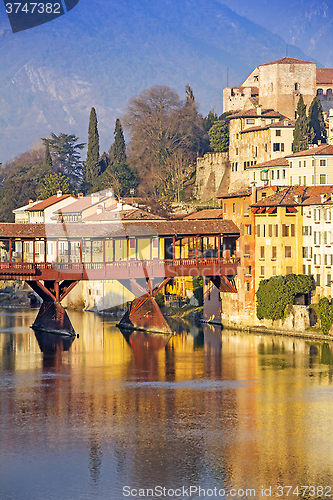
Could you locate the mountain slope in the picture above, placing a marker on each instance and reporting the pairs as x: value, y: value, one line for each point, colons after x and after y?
x: 101, y: 55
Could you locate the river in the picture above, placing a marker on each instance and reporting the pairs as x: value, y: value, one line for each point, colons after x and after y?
x: 203, y: 414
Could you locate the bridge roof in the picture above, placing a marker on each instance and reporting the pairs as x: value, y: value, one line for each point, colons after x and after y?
x: 119, y: 229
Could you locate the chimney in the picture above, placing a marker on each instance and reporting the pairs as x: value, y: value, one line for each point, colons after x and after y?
x: 119, y: 206
x: 99, y: 209
x: 94, y: 198
x: 31, y: 203
x: 59, y: 193
x: 259, y: 111
x: 323, y: 197
x: 254, y: 193
x: 298, y: 198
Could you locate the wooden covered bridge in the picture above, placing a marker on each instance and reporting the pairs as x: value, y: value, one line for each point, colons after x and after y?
x: 141, y: 255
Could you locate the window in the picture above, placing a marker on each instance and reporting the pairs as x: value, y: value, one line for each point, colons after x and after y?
x: 300, y: 180
x: 278, y: 133
x: 329, y: 92
x: 304, y: 163
x: 246, y: 208
x: 274, y: 271
x: 258, y: 230
x: 283, y: 174
x: 320, y: 92
x: 304, y: 180
x: 296, y: 86
x: 322, y: 163
x: 236, y: 151
x: 262, y: 271
x: 285, y: 230
x: 247, y: 250
x: 250, y: 270
x: 329, y: 278
x: 238, y: 208
x: 274, y: 253
x: 247, y: 286
x: 247, y: 228
x: 282, y: 146
x: 132, y: 243
x: 276, y: 146
x: 293, y: 230
x: 225, y: 208
x: 234, y: 208
x: 305, y: 230
x: 266, y: 147
x: 249, y: 121
x: 287, y: 252
x: 289, y: 270
x: 276, y: 233
x: 290, y: 181
x: 325, y: 260
x: 305, y: 252
x: 325, y: 237
x: 322, y: 179
x: 317, y: 279
x: 278, y: 174
x: 272, y: 175
x: 270, y: 230
x: 262, y: 252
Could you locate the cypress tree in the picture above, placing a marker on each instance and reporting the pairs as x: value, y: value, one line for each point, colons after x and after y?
x: 48, y: 160
x: 301, y: 131
x: 316, y: 121
x: 117, y: 152
x: 92, y: 167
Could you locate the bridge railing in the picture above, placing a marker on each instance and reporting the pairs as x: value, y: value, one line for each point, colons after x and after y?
x: 31, y: 268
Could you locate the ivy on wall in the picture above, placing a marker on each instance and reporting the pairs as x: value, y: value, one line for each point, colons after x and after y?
x: 276, y: 293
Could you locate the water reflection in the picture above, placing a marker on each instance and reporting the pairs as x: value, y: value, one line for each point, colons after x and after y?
x: 203, y: 407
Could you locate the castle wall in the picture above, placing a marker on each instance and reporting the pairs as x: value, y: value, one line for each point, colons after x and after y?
x: 210, y: 170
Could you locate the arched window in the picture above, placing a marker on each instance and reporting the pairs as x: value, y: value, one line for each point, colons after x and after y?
x: 320, y: 92
x: 329, y: 92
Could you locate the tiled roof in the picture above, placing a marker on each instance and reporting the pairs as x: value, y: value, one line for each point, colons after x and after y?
x: 279, y: 124
x: 205, y: 214
x: 120, y: 229
x: 253, y: 113
x: 325, y: 75
x: 81, y: 204
x: 278, y: 162
x: 244, y: 192
x: 48, y: 203
x: 323, y: 149
x: 111, y: 215
x: 307, y: 196
x: 287, y: 60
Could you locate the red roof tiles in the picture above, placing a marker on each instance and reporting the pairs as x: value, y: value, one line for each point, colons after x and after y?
x: 253, y: 113
x: 325, y: 76
x: 39, y: 207
x: 297, y: 196
x: 323, y: 149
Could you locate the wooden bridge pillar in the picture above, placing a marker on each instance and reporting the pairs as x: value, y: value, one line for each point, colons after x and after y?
x: 52, y: 317
x: 144, y: 312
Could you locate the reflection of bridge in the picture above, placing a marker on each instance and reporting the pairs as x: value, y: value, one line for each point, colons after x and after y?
x: 142, y: 256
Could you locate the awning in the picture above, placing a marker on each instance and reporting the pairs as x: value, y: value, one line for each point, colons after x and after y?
x: 266, y: 170
x: 291, y: 210
x: 270, y: 210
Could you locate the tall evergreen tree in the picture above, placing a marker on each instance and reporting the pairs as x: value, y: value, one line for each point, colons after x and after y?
x: 117, y: 152
x: 92, y: 166
x: 316, y: 122
x: 48, y: 160
x: 301, y: 131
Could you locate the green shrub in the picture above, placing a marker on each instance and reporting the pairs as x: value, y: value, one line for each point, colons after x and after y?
x: 276, y: 293
x: 325, y: 313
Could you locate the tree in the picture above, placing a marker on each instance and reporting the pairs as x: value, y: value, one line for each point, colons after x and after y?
x: 209, y: 120
x: 219, y: 136
x: 117, y: 151
x: 92, y: 165
x: 120, y: 177
x: 21, y: 181
x: 161, y: 124
x: 66, y: 156
x: 48, y: 159
x: 53, y: 183
x: 301, y: 131
x: 316, y: 122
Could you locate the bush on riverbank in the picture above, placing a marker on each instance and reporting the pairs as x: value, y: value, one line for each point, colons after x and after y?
x: 276, y: 293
